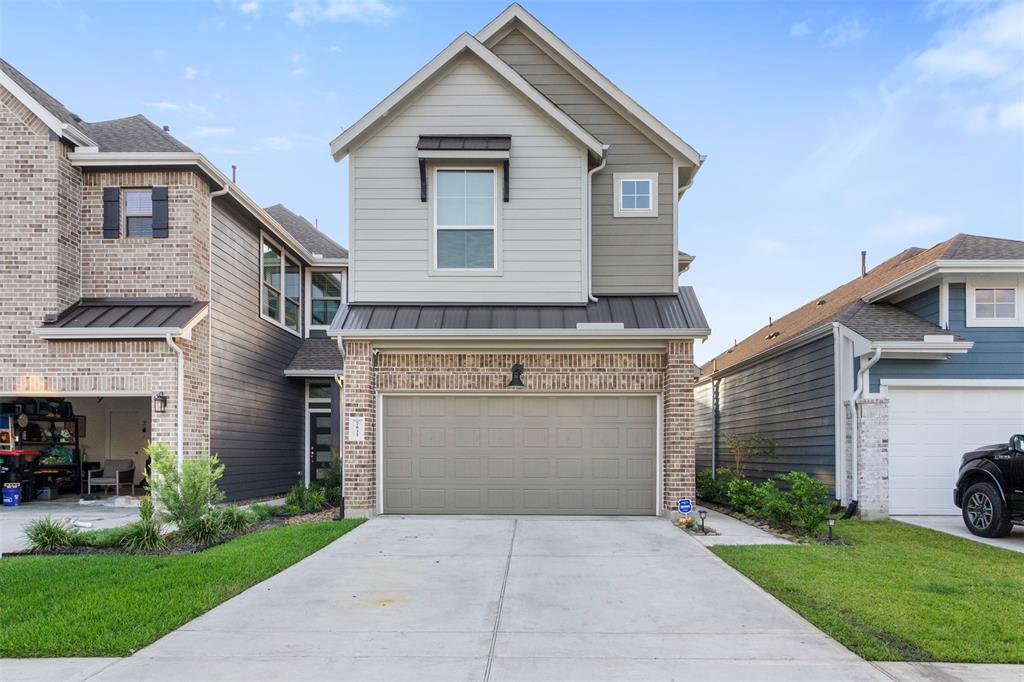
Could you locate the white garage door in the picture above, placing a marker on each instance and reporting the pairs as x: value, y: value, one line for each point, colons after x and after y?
x: 931, y: 428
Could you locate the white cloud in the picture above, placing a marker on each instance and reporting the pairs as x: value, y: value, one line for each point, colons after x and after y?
x: 279, y: 144
x: 205, y: 131
x: 846, y: 32
x: 335, y: 49
x: 191, y: 73
x: 164, y: 105
x: 357, y: 11
x: 799, y: 29
x: 249, y: 7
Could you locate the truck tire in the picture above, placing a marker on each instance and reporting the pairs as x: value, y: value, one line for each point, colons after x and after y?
x: 984, y: 513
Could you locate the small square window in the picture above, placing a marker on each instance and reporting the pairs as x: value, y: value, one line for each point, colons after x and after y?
x: 319, y: 390
x: 636, y: 195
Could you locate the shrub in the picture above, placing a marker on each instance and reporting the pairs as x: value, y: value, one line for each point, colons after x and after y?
x: 101, y: 537
x: 711, y: 488
x: 301, y: 499
x: 237, y: 518
x: 808, y: 498
x: 203, y: 530
x: 260, y: 512
x: 47, y: 535
x: 772, y: 505
x: 187, y: 495
x: 143, y: 536
x: 742, y: 495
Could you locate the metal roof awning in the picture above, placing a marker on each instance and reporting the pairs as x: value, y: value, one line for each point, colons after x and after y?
x: 465, y: 147
x: 316, y: 358
x: 125, y: 318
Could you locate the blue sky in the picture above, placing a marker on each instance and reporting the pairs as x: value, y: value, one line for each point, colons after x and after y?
x: 829, y: 128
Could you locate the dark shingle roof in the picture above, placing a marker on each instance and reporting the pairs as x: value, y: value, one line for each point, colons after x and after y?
x: 841, y: 301
x: 679, y: 312
x: 317, y: 355
x: 128, y: 313
x: 886, y: 322
x: 132, y: 134
x: 306, y: 233
x: 489, y: 143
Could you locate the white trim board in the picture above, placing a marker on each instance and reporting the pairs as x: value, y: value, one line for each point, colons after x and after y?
x: 951, y: 383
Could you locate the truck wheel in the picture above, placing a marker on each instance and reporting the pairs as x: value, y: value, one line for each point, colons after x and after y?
x: 984, y: 513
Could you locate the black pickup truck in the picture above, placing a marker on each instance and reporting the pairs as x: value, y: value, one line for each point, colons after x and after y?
x: 990, y: 488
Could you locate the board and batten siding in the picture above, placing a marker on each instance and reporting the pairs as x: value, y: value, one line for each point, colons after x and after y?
x: 540, y: 230
x: 630, y: 255
x: 998, y: 352
x: 790, y: 398
x: 256, y: 413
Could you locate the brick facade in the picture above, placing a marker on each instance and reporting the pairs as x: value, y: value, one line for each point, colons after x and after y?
x: 872, y: 456
x: 368, y: 373
x: 52, y: 254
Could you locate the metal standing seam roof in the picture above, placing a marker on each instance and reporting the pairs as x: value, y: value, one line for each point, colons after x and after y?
x: 128, y: 314
x: 678, y: 312
x: 489, y: 143
x: 317, y: 355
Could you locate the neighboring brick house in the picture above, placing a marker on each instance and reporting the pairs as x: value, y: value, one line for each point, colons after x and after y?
x: 143, y: 286
x: 515, y: 338
x: 879, y: 386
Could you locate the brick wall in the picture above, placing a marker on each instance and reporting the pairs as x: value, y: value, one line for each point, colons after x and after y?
x: 669, y: 372
x: 872, y: 456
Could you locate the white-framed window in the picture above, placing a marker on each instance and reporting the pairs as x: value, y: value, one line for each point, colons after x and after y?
x: 325, y: 297
x: 995, y: 302
x: 281, y: 287
x: 636, y: 195
x: 138, y: 212
x: 465, y: 218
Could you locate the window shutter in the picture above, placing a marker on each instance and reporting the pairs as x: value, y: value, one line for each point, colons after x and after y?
x: 111, y: 212
x: 160, y: 220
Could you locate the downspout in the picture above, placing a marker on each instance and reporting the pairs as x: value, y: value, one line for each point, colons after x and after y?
x: 180, y: 455
x: 590, y: 222
x: 858, y: 391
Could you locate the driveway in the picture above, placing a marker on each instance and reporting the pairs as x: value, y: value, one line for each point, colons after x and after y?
x: 101, y: 515
x: 954, y: 525
x: 485, y: 598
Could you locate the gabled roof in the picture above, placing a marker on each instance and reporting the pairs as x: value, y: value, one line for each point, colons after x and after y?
x: 315, y: 241
x: 515, y: 15
x: 464, y: 44
x: 131, y: 134
x: 877, y: 321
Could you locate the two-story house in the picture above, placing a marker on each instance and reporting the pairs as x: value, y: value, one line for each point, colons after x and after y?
x: 880, y: 385
x: 146, y: 297
x: 515, y: 339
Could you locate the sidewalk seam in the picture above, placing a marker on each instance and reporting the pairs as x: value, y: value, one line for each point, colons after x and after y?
x: 501, y: 601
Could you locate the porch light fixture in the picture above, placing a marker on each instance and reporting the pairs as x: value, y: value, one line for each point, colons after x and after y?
x: 831, y: 524
x: 517, y: 376
x: 160, y: 402
x: 703, y: 515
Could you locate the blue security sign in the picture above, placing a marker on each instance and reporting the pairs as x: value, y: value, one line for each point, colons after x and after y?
x: 685, y: 506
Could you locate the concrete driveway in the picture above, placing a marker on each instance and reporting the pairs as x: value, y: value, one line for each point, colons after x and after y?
x: 101, y: 515
x: 954, y: 525
x: 471, y: 598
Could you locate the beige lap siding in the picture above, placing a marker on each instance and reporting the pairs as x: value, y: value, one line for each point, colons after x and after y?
x: 670, y: 373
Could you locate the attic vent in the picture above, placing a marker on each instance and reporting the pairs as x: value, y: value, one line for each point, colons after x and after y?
x: 771, y: 336
x: 822, y: 302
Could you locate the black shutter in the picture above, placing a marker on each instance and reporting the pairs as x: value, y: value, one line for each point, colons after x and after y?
x: 160, y: 222
x: 111, y: 212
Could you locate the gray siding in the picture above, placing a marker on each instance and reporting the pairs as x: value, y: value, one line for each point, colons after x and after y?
x: 541, y: 229
x: 788, y: 397
x: 256, y: 413
x: 998, y: 352
x: 703, y: 423
x: 630, y: 255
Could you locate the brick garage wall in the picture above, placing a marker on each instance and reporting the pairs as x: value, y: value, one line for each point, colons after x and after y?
x: 872, y: 456
x: 670, y: 373
x: 125, y: 266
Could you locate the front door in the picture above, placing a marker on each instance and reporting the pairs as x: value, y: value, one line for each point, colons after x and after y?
x: 319, y: 445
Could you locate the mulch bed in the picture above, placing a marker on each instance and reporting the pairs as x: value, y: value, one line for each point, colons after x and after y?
x: 795, y: 538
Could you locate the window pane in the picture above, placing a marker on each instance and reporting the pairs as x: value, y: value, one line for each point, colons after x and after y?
x: 138, y: 201
x: 451, y: 248
x: 292, y: 281
x: 984, y: 295
x: 451, y: 184
x: 271, y: 266
x: 320, y: 391
x: 139, y: 226
x: 479, y: 212
x: 643, y: 201
x: 291, y: 314
x: 1004, y: 310
x: 451, y: 211
x: 465, y: 197
x: 480, y: 184
x: 326, y: 285
x: 271, y: 303
x: 479, y: 248
x: 323, y: 311
x: 1004, y: 295
x: 628, y: 201
x: 628, y: 187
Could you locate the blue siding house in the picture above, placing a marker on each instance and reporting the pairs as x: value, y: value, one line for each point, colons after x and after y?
x: 879, y: 386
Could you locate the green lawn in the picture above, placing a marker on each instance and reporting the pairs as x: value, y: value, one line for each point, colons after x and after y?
x: 114, y: 604
x: 899, y: 592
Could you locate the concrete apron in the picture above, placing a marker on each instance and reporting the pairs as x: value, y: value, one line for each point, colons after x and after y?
x: 488, y: 598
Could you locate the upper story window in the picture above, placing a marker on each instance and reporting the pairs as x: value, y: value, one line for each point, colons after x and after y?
x: 465, y: 218
x: 281, y: 290
x: 636, y: 195
x: 138, y: 212
x: 992, y: 303
x: 324, y: 297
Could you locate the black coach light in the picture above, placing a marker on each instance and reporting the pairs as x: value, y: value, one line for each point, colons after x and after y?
x: 160, y: 402
x: 517, y: 376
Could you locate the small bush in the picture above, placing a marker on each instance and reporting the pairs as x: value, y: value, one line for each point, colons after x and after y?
x: 101, y: 537
x: 143, y: 536
x: 331, y: 483
x: 260, y: 512
x: 47, y: 535
x: 237, y: 518
x: 303, y: 500
x: 809, y: 500
x: 712, y: 488
x: 742, y: 495
x: 187, y: 495
x: 204, y: 530
x: 772, y: 505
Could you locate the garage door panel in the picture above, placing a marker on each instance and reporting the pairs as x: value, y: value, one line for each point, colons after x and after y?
x: 931, y: 428
x: 520, y: 454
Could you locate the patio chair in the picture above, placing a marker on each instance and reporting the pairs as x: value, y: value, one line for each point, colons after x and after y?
x: 114, y: 473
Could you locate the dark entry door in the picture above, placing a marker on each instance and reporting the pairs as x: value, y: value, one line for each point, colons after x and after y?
x: 319, y: 445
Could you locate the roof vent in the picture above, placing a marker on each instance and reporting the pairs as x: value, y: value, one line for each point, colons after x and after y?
x: 771, y: 336
x: 167, y: 129
x: 822, y: 302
